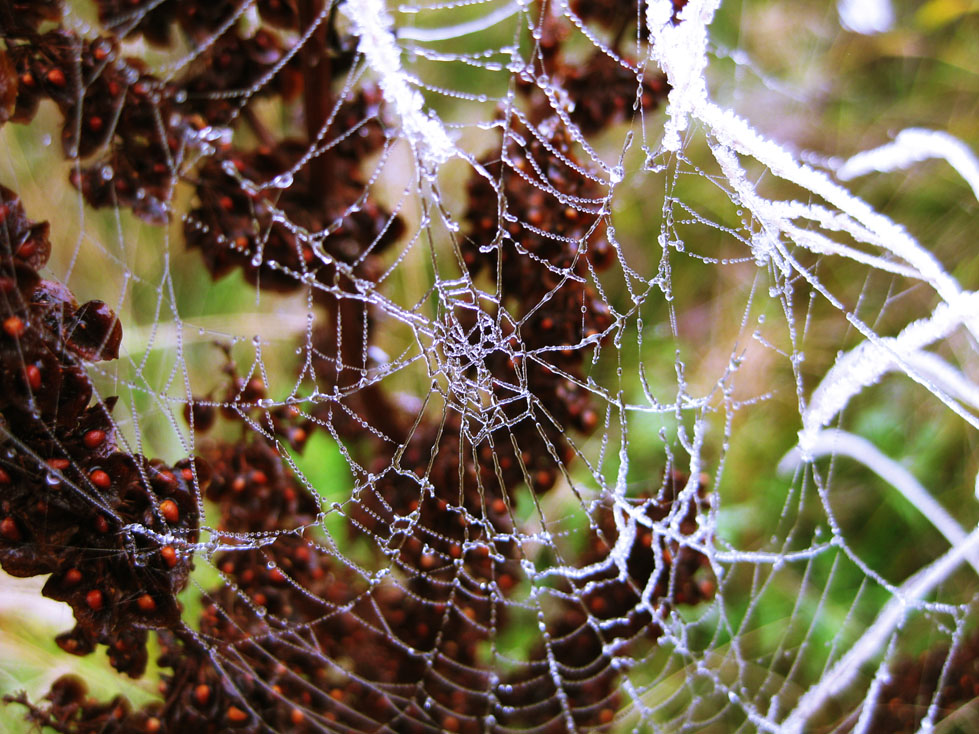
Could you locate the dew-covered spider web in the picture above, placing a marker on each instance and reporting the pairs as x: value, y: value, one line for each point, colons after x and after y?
x: 484, y: 366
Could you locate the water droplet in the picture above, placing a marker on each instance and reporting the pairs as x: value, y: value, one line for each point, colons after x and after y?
x: 282, y: 181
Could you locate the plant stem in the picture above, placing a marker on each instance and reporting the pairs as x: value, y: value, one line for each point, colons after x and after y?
x: 351, y: 314
x: 317, y: 90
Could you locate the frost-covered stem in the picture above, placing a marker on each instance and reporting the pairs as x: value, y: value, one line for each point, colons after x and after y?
x: 841, y: 443
x: 735, y: 133
x: 946, y: 377
x: 914, y: 145
x: 374, y: 26
x: 681, y: 52
x: 890, y: 618
x: 865, y: 364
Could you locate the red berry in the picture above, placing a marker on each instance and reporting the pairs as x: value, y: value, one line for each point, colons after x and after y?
x: 56, y: 77
x: 94, y: 600
x: 93, y: 439
x: 73, y: 576
x: 33, y: 376
x: 9, y: 529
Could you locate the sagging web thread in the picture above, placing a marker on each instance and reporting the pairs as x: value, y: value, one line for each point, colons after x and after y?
x: 434, y: 210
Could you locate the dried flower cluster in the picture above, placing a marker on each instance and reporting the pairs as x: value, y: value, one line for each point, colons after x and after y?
x: 68, y: 490
x: 296, y: 638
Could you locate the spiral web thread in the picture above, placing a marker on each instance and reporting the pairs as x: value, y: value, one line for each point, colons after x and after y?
x: 557, y: 506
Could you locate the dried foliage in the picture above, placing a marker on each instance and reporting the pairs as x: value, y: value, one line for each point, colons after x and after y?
x: 310, y: 645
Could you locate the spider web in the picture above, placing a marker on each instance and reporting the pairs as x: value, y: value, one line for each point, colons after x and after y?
x: 546, y: 390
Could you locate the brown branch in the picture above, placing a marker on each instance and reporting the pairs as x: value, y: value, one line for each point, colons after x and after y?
x: 317, y: 90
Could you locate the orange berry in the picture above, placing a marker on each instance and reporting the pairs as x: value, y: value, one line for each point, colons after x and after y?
x: 170, y: 511
x: 202, y: 694
x: 14, y: 326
